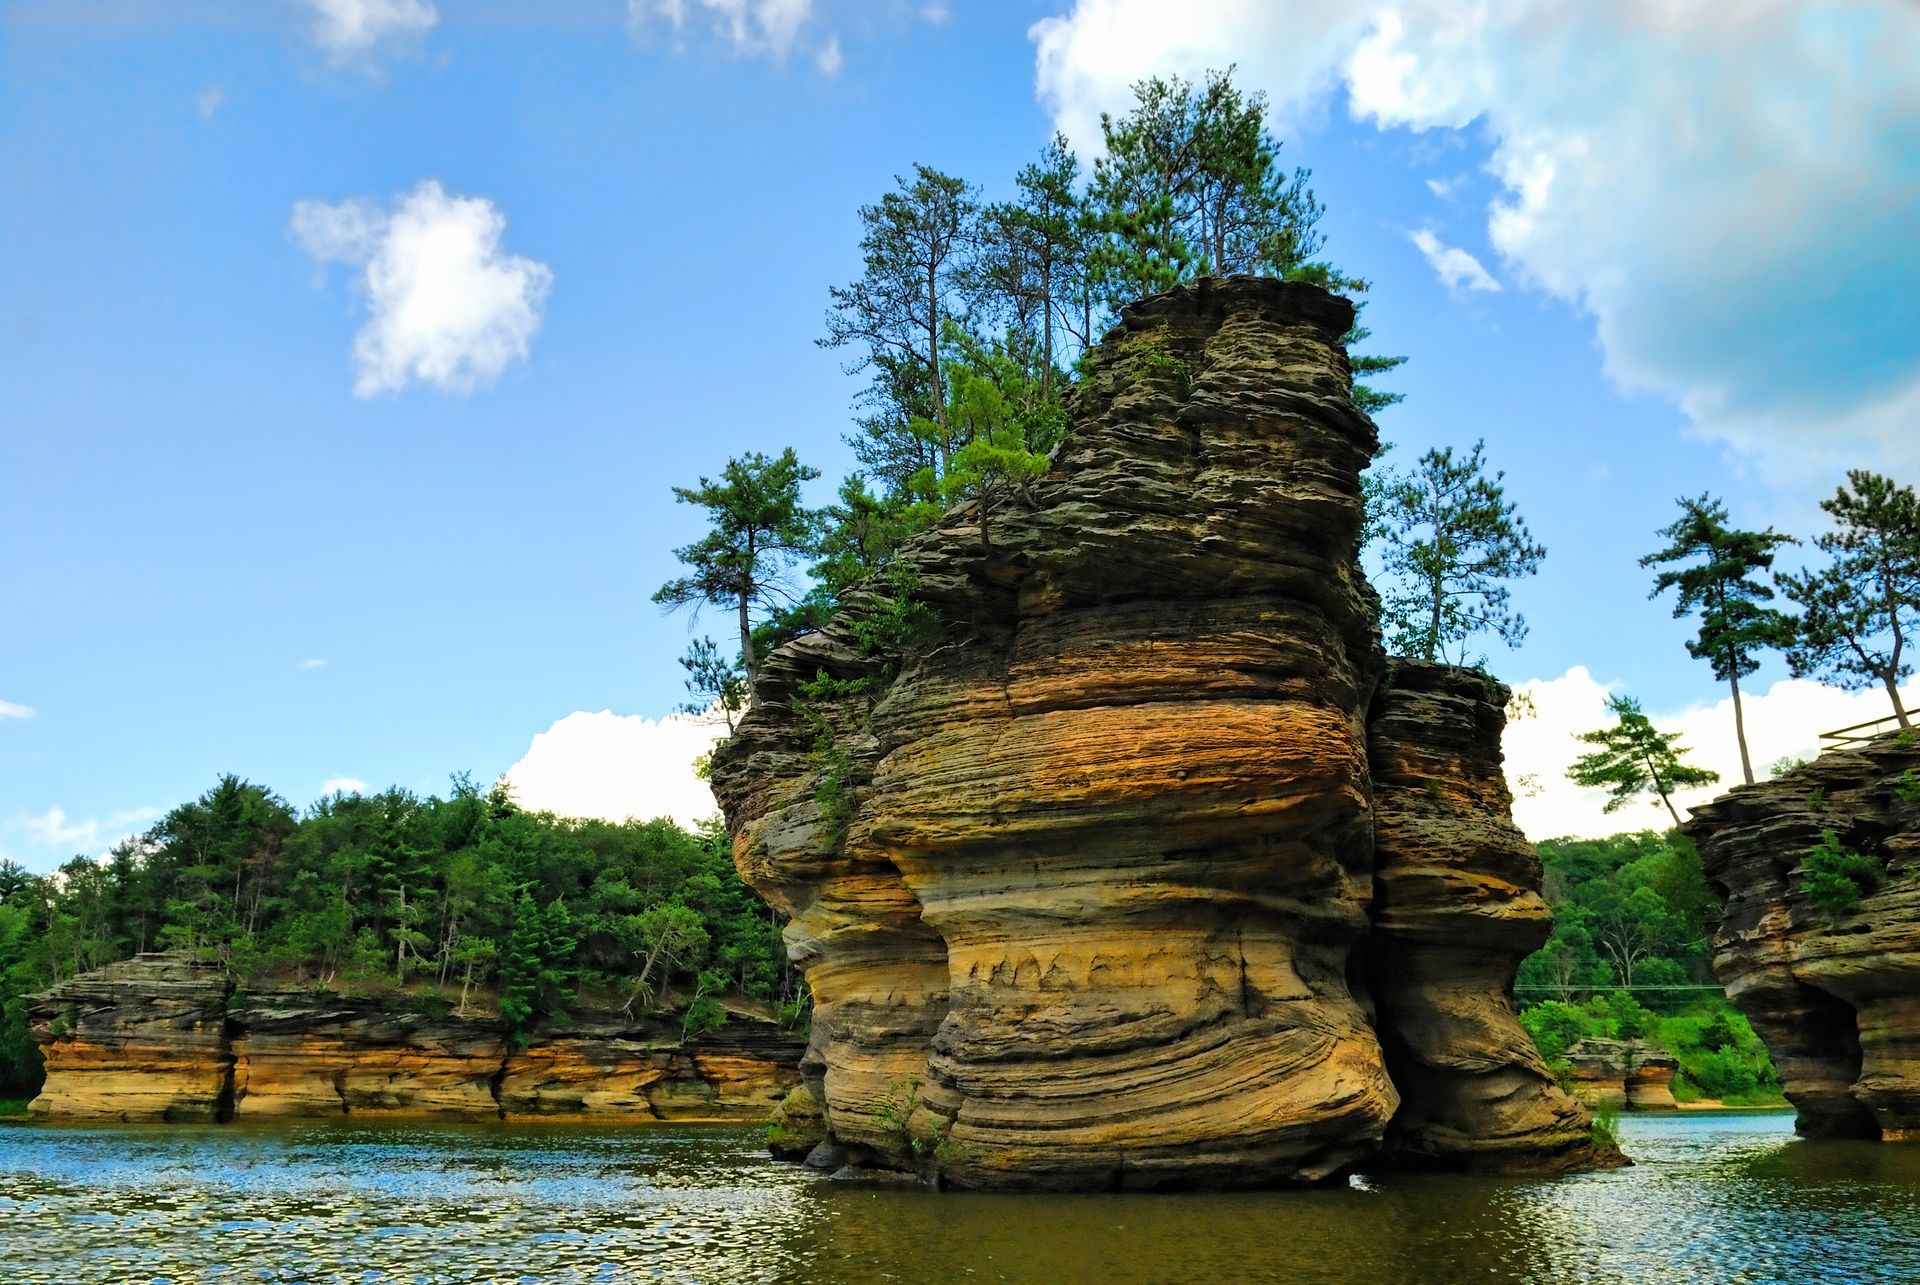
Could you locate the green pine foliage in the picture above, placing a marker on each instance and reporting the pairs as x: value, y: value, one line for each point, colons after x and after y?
x: 1636, y: 758
x: 1858, y: 611
x: 1834, y: 877
x: 1714, y: 571
x: 968, y: 319
x: 1452, y: 542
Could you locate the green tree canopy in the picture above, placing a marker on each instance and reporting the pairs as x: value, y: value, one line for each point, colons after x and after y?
x: 757, y: 528
x: 1858, y: 611
x: 1636, y: 758
x: 1191, y: 185
x: 1452, y: 542
x: 1714, y: 571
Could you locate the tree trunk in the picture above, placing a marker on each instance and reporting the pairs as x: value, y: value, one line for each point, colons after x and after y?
x: 747, y: 657
x: 1046, y: 329
x: 933, y: 346
x: 1739, y: 725
x: 1893, y: 694
x: 1653, y: 777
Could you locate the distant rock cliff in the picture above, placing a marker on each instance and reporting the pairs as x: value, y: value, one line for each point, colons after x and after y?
x: 159, y: 1038
x: 1084, y: 891
x: 1835, y: 997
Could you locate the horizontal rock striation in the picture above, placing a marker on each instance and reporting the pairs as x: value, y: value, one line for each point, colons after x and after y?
x: 1631, y: 1075
x: 1082, y: 887
x: 143, y: 1040
x: 1457, y: 906
x: 162, y: 1039
x: 1836, y: 998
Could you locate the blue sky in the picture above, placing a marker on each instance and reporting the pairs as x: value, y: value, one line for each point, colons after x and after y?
x: 221, y: 550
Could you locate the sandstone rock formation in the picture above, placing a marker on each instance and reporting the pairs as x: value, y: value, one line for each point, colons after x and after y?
x: 1630, y: 1075
x: 1082, y: 889
x: 161, y: 1039
x: 144, y: 1040
x: 1456, y: 907
x: 1836, y: 999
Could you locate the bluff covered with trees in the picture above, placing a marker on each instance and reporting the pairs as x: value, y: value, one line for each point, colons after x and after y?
x: 465, y: 903
x: 1629, y: 960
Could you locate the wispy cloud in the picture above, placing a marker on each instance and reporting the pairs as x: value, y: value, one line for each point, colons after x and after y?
x: 1457, y: 269
x: 209, y: 101
x: 343, y: 785
x: 351, y: 31
x: 311, y: 663
x: 829, y: 59
x: 446, y: 306
x: 9, y: 709
x: 748, y: 28
x: 59, y: 833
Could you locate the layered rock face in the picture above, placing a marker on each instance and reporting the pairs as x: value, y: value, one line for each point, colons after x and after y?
x: 159, y: 1039
x: 1835, y: 998
x: 1627, y: 1074
x: 1457, y: 906
x: 144, y: 1040
x: 1081, y: 889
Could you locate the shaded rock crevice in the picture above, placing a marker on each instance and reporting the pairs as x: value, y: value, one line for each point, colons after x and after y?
x: 1093, y: 901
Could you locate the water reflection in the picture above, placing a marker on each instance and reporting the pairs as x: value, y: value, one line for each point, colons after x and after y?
x: 1733, y: 1199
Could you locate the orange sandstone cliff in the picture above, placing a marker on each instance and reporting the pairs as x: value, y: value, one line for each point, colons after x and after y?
x: 1135, y: 876
x: 1835, y: 997
x: 161, y: 1038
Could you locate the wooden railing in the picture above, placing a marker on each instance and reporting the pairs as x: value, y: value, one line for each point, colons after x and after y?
x: 1859, y: 732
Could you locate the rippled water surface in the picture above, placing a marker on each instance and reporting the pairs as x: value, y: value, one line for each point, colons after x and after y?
x: 1713, y: 1199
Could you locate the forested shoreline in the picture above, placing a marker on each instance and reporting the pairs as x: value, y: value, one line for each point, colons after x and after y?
x: 465, y: 903
x: 1629, y: 959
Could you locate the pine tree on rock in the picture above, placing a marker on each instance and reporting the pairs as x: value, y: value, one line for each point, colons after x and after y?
x: 1636, y: 758
x: 1858, y: 611
x: 1453, y: 540
x: 757, y: 528
x: 1714, y: 572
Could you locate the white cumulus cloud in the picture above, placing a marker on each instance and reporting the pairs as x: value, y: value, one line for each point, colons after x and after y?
x: 446, y: 306
x: 1730, y: 191
x: 1784, y: 721
x: 350, y: 30
x: 8, y: 709
x: 617, y: 767
x: 1457, y: 269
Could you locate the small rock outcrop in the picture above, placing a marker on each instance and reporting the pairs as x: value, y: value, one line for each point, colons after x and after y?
x: 1835, y: 996
x: 1084, y: 887
x: 1629, y: 1075
x: 163, y: 1056
x: 159, y: 1038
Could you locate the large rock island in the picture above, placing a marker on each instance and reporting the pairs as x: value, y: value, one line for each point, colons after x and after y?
x: 1151, y: 870
x: 163, y: 1038
x: 1833, y: 990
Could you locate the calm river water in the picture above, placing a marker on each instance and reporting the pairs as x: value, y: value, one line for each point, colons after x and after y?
x: 1728, y: 1198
